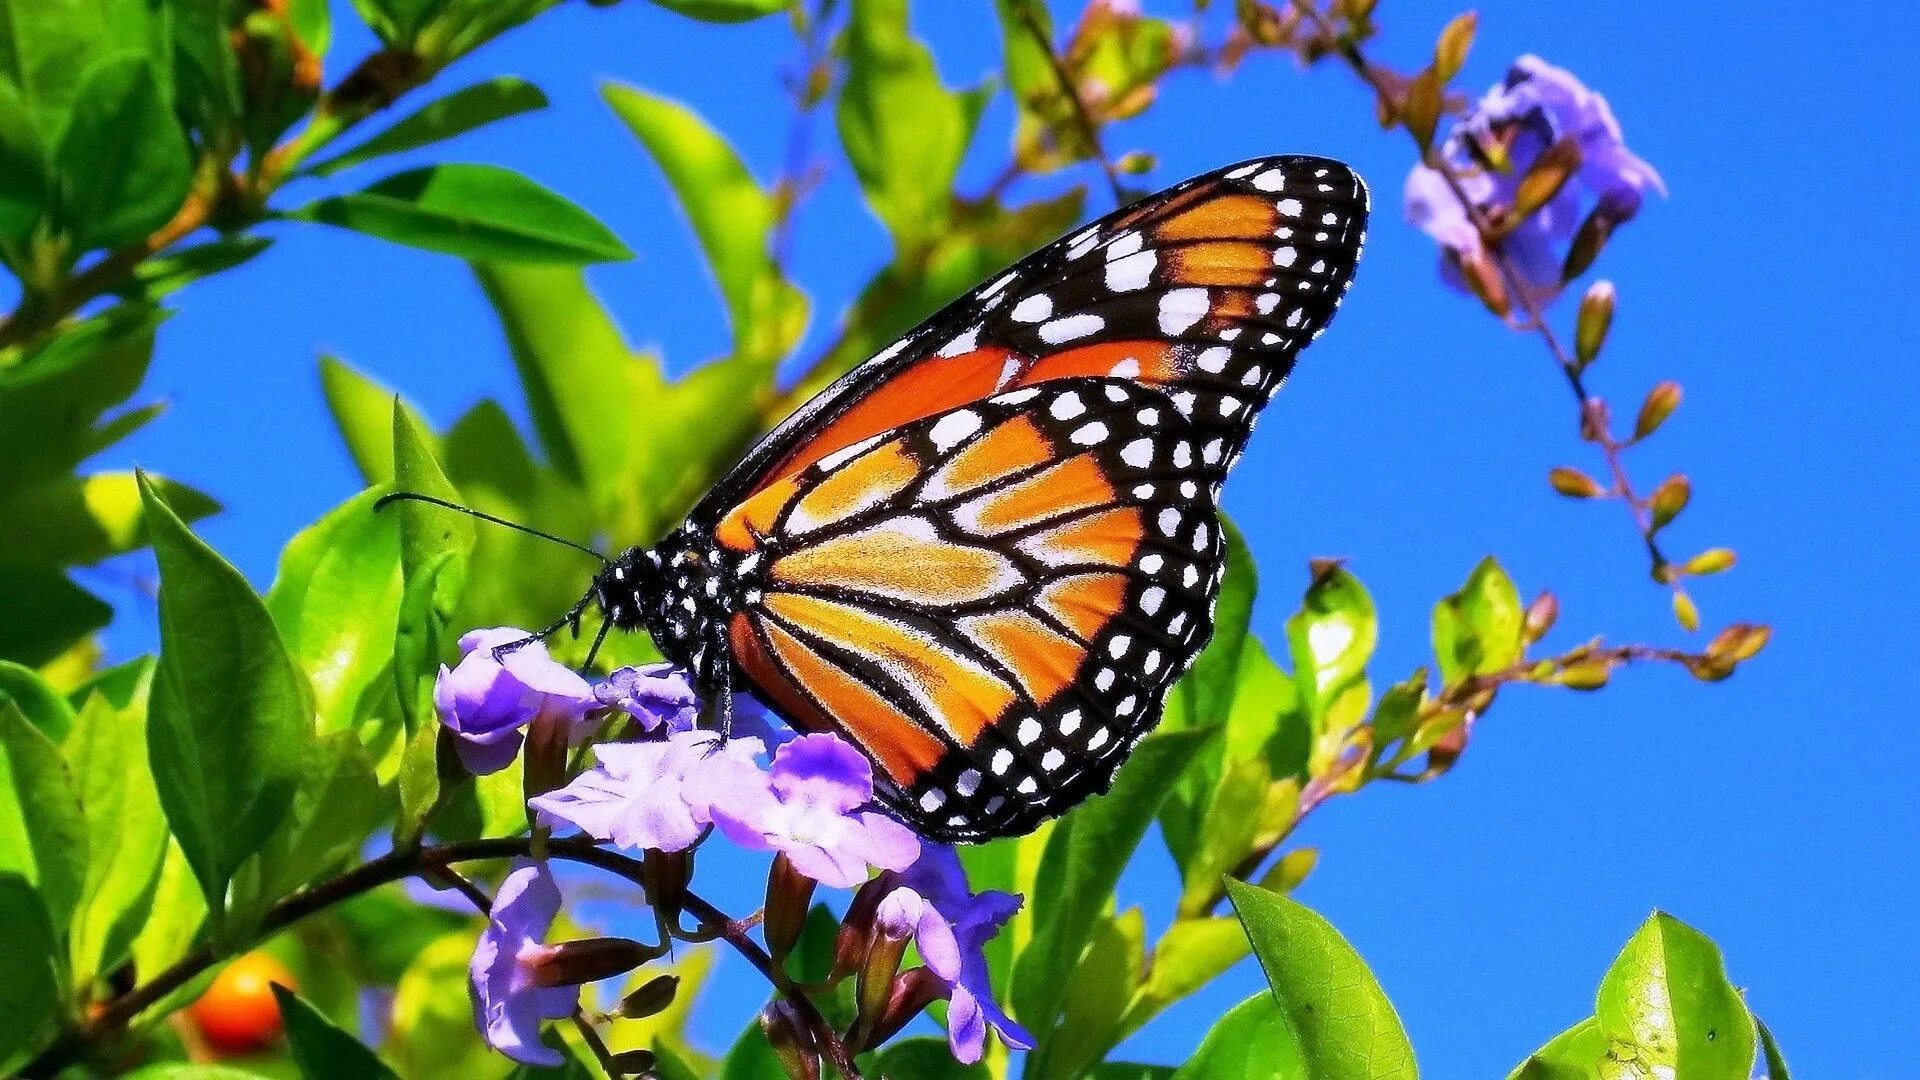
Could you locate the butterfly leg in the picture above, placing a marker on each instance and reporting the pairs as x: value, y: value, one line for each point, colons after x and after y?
x: 716, y: 711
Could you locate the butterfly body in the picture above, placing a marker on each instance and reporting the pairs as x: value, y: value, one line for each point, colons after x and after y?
x: 985, y: 555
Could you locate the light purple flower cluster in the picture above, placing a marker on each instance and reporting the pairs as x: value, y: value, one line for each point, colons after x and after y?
x: 663, y: 788
x: 1494, y: 147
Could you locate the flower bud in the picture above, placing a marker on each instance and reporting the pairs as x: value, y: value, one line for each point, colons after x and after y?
x: 1136, y: 162
x: 1596, y: 318
x: 789, y: 892
x: 585, y: 960
x: 651, y: 997
x: 1541, y: 615
x: 632, y: 1063
x: 1588, y: 675
x: 912, y: 991
x: 1450, y: 54
x: 856, y: 928
x: 1669, y: 499
x: 1709, y: 668
x: 1550, y: 172
x: 1684, y: 611
x: 1710, y: 561
x: 1421, y: 109
x: 1660, y: 403
x: 1483, y: 277
x: 878, y: 967
x: 1741, y: 641
x: 1573, y: 483
x: 791, y: 1039
x: 667, y: 874
x: 1587, y: 244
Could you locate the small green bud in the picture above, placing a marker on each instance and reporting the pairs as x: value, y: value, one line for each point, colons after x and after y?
x: 1596, y: 318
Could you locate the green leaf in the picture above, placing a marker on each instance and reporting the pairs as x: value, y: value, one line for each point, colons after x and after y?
x: 1331, y: 638
x: 426, y: 532
x: 44, y: 48
x: 362, y: 410
x: 126, y: 832
x: 1346, y: 1027
x: 904, y: 132
x: 157, y: 277
x: 23, y: 167
x: 52, y: 398
x: 925, y: 1056
x: 475, y: 212
x: 173, y: 923
x: 1130, y: 1070
x: 725, y: 11
x: 123, y: 161
x: 1084, y: 857
x: 43, y: 835
x: 1666, y: 1007
x: 336, y: 600
x: 671, y: 1066
x: 181, y: 1070
x: 334, y: 810
x: 751, y: 1057
x: 456, y: 114
x: 1575, y: 1054
x: 1254, y: 1038
x: 207, y: 74
x: 1191, y: 954
x: 230, y: 718
x: 81, y: 520
x: 321, y: 1050
x: 42, y: 707
x: 584, y: 385
x: 1098, y: 993
x: 1775, y: 1062
x: 46, y: 614
x: 29, y: 976
x: 1476, y: 631
x: 730, y: 213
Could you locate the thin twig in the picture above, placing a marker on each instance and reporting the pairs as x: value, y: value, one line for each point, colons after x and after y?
x: 1088, y: 129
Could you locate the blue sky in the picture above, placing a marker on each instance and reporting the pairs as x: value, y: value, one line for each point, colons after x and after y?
x: 1775, y: 812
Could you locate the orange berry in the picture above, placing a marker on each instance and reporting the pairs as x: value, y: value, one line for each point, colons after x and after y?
x: 238, y: 1014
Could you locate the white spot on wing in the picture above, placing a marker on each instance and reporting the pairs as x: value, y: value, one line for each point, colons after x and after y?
x: 1033, y: 309
x: 949, y: 430
x: 1131, y: 273
x: 1070, y: 328
x: 1181, y: 308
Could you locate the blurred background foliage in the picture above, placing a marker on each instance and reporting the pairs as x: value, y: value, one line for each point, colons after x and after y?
x: 144, y: 144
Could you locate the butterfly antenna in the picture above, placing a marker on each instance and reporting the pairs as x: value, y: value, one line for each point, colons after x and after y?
x: 606, y: 624
x: 414, y: 496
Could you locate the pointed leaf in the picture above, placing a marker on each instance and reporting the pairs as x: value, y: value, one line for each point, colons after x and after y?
x: 43, y: 835
x: 29, y: 975
x: 456, y: 114
x: 42, y: 707
x: 123, y: 160
x: 126, y: 832
x: 1575, y: 1054
x: 1346, y: 1027
x: 334, y: 810
x: 81, y: 520
x: 46, y: 614
x: 1255, y: 1038
x: 474, y: 212
x: 321, y: 1050
x: 1666, y: 1006
x: 1478, y: 630
x: 725, y: 11
x: 230, y: 717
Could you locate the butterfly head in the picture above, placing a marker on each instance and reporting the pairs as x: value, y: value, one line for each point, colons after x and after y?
x: 628, y: 589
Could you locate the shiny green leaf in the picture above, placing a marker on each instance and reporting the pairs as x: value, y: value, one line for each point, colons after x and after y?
x: 1666, y: 1007
x: 1477, y: 630
x: 123, y: 161
x: 52, y: 399
x: 43, y: 835
x: 173, y: 922
x: 321, y: 1050
x: 1575, y: 1054
x: 1084, y: 857
x: 432, y: 1032
x: 1191, y: 954
x: 473, y: 211
x: 336, y: 600
x: 23, y: 167
x: 362, y: 410
x: 159, y: 276
x: 456, y: 114
x: 1098, y: 993
x: 1771, y: 1057
x: 904, y: 132
x: 730, y: 213
x: 725, y: 11
x: 126, y: 832
x: 1347, y: 1028
x: 1331, y: 638
x: 39, y: 703
x: 231, y: 719
x: 334, y: 809
x: 1254, y: 1038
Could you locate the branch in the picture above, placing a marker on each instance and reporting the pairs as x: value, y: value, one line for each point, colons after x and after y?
x: 1089, y: 130
x: 391, y: 867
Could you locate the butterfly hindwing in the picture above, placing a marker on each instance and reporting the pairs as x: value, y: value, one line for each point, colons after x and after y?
x: 993, y: 601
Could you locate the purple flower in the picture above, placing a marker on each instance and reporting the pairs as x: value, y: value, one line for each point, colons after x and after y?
x: 655, y: 794
x: 662, y: 695
x: 1536, y: 106
x: 810, y: 809
x: 508, y: 1004
x: 485, y: 702
x: 959, y: 956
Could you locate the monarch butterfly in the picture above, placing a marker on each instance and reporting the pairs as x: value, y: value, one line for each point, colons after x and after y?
x: 985, y: 555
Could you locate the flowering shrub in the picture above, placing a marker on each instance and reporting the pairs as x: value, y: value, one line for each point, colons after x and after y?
x: 270, y: 780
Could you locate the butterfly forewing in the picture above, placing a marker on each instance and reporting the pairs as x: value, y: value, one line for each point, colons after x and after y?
x: 993, y: 601
x: 1207, y: 290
